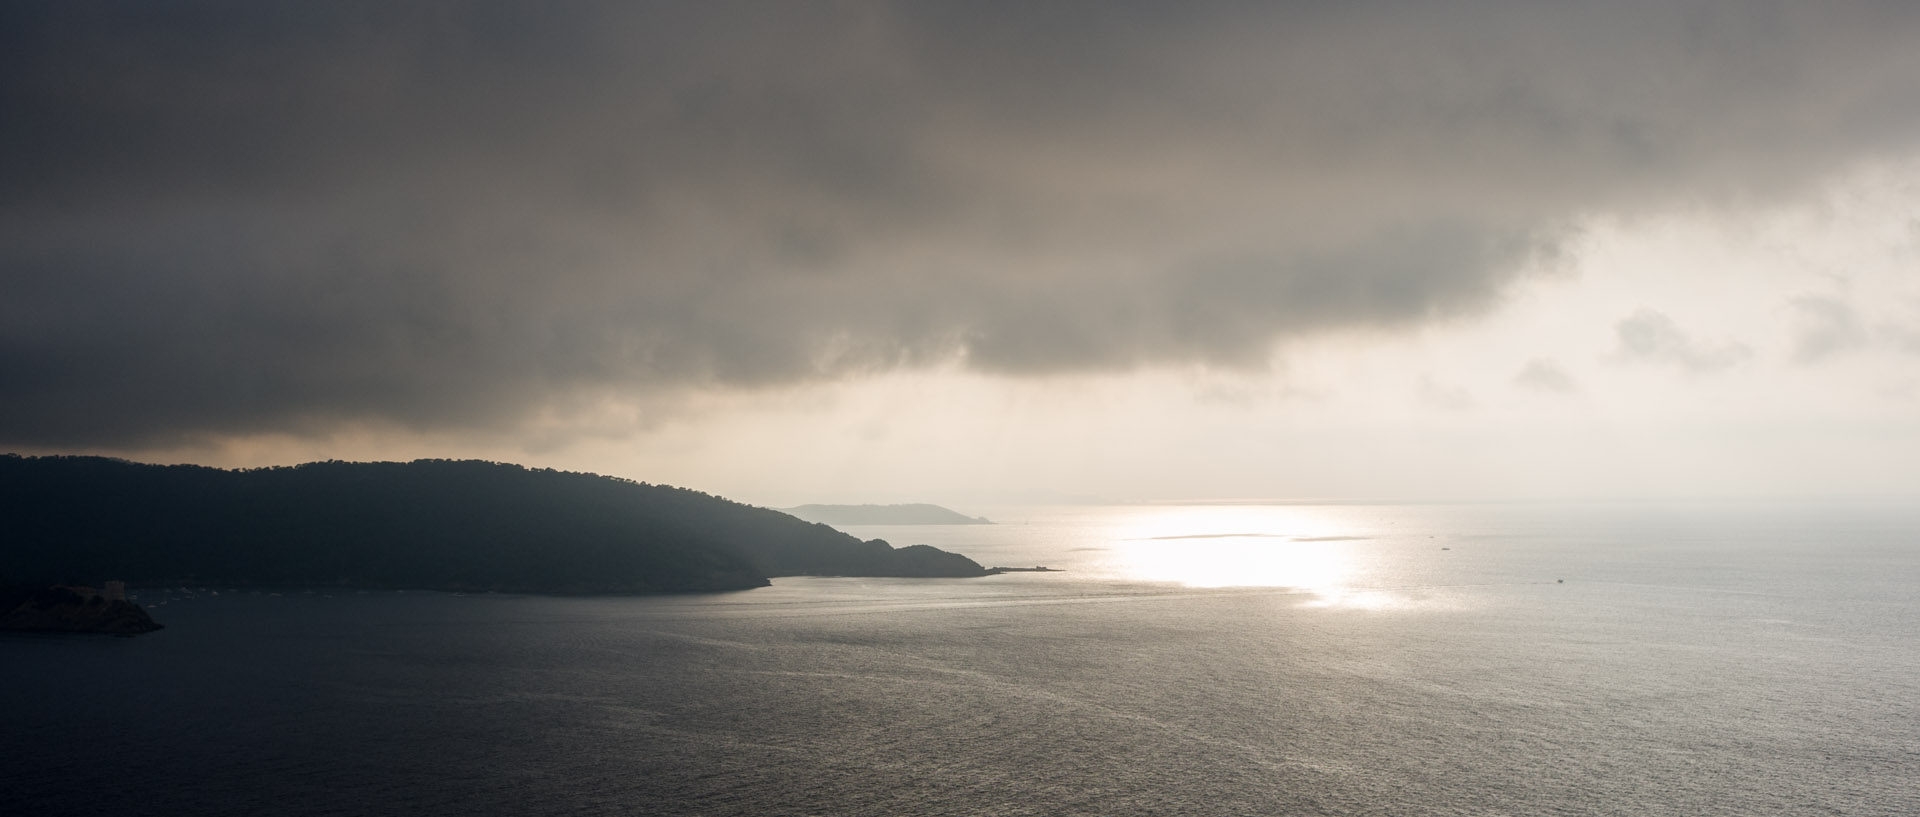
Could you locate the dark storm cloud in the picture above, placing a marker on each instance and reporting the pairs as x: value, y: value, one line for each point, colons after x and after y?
x: 284, y: 217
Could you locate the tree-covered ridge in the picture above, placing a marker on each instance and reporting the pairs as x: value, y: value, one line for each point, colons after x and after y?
x: 441, y: 524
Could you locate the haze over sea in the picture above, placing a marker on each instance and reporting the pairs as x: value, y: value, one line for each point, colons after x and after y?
x: 1736, y: 659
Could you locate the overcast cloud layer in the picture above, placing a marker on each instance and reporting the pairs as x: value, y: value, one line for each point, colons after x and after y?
x: 261, y: 217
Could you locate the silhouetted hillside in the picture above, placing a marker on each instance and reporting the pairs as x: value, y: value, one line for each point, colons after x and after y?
x: 437, y: 524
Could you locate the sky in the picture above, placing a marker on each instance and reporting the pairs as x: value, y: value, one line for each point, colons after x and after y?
x: 976, y: 252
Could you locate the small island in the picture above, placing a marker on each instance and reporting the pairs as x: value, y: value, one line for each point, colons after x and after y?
x: 61, y: 608
x: 1034, y: 569
x: 911, y: 514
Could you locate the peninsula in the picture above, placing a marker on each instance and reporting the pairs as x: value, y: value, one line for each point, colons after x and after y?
x: 914, y: 514
x: 426, y: 524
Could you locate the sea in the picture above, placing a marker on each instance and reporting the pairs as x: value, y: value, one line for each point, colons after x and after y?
x: 1739, y: 658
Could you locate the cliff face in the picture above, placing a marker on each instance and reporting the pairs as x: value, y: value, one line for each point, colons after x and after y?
x: 59, y: 610
x: 428, y: 524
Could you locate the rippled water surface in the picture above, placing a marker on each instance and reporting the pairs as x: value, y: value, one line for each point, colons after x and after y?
x: 1183, y: 660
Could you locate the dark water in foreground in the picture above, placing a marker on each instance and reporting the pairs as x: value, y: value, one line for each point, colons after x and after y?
x: 1696, y: 663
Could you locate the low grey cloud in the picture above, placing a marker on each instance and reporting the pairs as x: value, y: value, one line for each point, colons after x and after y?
x: 1898, y: 330
x: 1824, y: 327
x: 1647, y: 336
x: 235, y: 217
x: 1542, y: 374
x: 1445, y: 396
x: 1904, y: 339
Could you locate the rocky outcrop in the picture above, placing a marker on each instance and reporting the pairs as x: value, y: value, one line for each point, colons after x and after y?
x: 65, y: 610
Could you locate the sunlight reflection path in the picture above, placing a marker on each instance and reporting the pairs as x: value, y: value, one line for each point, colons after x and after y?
x: 1235, y: 546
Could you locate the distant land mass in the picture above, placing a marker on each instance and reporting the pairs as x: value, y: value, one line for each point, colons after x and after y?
x: 426, y: 524
x: 918, y: 514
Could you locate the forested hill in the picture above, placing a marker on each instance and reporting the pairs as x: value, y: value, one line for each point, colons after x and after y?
x: 429, y: 524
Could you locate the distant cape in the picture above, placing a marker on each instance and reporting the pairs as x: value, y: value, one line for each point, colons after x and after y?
x: 426, y: 524
x: 916, y: 514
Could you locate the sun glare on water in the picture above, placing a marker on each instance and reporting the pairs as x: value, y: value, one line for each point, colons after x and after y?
x: 1236, y: 546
